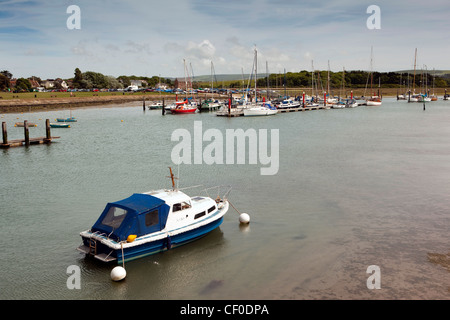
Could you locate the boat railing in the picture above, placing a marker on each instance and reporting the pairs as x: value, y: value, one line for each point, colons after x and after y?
x: 222, y: 192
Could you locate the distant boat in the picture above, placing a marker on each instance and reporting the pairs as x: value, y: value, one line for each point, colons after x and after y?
x: 71, y: 119
x: 155, y: 105
x: 374, y: 101
x: 210, y: 104
x: 288, y: 104
x: 255, y: 108
x: 184, y: 107
x: 260, y: 110
x: 351, y: 103
x: 22, y: 124
x: 59, y: 125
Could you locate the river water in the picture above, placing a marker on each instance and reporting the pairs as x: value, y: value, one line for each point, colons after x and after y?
x: 368, y: 186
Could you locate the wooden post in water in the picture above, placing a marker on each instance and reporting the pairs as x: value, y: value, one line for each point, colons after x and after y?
x: 164, y: 106
x: 4, y: 133
x: 47, y: 131
x: 143, y: 103
x: 27, y: 133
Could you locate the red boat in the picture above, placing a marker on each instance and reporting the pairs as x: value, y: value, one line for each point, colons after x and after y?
x: 183, y: 107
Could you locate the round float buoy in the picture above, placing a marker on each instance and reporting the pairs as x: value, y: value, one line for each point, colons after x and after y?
x: 118, y: 273
x: 244, y: 218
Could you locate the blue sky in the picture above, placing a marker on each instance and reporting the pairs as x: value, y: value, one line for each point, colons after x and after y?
x: 147, y: 37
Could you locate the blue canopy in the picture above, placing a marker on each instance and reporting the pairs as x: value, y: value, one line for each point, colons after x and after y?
x: 138, y: 215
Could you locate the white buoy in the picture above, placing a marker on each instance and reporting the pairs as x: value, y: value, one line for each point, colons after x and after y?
x: 244, y: 218
x: 118, y: 273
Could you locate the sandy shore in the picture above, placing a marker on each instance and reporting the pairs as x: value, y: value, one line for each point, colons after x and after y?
x: 41, y: 104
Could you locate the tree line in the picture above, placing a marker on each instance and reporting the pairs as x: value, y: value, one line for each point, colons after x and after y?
x: 353, y: 79
x: 320, y: 80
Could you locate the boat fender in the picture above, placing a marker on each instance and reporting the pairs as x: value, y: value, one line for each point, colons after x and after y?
x: 169, y: 242
x: 131, y: 238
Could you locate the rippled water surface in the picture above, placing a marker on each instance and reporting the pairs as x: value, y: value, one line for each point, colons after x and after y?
x: 355, y: 188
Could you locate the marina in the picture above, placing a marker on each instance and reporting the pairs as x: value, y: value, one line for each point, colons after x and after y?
x: 356, y: 187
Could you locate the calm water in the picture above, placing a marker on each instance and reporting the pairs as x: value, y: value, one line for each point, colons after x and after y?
x: 355, y: 188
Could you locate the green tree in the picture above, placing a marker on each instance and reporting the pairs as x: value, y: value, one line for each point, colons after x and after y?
x: 4, y: 82
x: 23, y: 84
x: 77, y: 79
x: 7, y: 74
x: 98, y: 80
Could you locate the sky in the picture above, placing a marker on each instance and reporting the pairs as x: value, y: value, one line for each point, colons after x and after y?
x: 158, y: 38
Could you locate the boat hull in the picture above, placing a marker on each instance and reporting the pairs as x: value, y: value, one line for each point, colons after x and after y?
x: 374, y: 103
x: 167, y: 243
x: 183, y: 111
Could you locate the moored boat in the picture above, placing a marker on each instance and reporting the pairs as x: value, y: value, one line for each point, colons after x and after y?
x: 156, y: 105
x: 70, y: 119
x: 374, y: 101
x: 147, y: 223
x: 184, y: 107
x: 263, y: 109
x: 59, y: 125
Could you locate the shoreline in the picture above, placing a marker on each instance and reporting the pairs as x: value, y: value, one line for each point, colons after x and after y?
x: 18, y: 104
x: 44, y: 104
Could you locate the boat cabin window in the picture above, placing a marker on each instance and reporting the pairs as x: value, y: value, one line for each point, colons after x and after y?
x: 211, y: 209
x: 181, y: 206
x: 152, y: 218
x: 199, y: 215
x: 114, y: 217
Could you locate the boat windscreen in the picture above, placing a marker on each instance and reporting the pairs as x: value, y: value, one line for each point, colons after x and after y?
x: 114, y: 217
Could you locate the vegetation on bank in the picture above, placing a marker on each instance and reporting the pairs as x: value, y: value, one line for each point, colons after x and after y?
x: 90, y: 80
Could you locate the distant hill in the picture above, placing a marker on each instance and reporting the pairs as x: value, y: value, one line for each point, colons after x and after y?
x: 245, y: 77
x: 223, y: 77
x: 438, y: 73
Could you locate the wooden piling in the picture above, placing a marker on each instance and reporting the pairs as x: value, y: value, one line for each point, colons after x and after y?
x: 27, y: 141
x: 48, y: 136
x: 27, y: 133
x: 4, y: 133
x: 164, y: 107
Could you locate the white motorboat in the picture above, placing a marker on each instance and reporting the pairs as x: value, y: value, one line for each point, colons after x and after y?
x: 260, y: 110
x: 151, y: 222
x: 156, y: 105
x: 288, y: 104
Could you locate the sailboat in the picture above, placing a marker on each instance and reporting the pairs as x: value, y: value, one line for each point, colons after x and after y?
x: 211, y: 104
x: 157, y: 104
x: 414, y: 97
x: 186, y: 106
x: 70, y: 119
x: 259, y: 109
x: 374, y: 100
